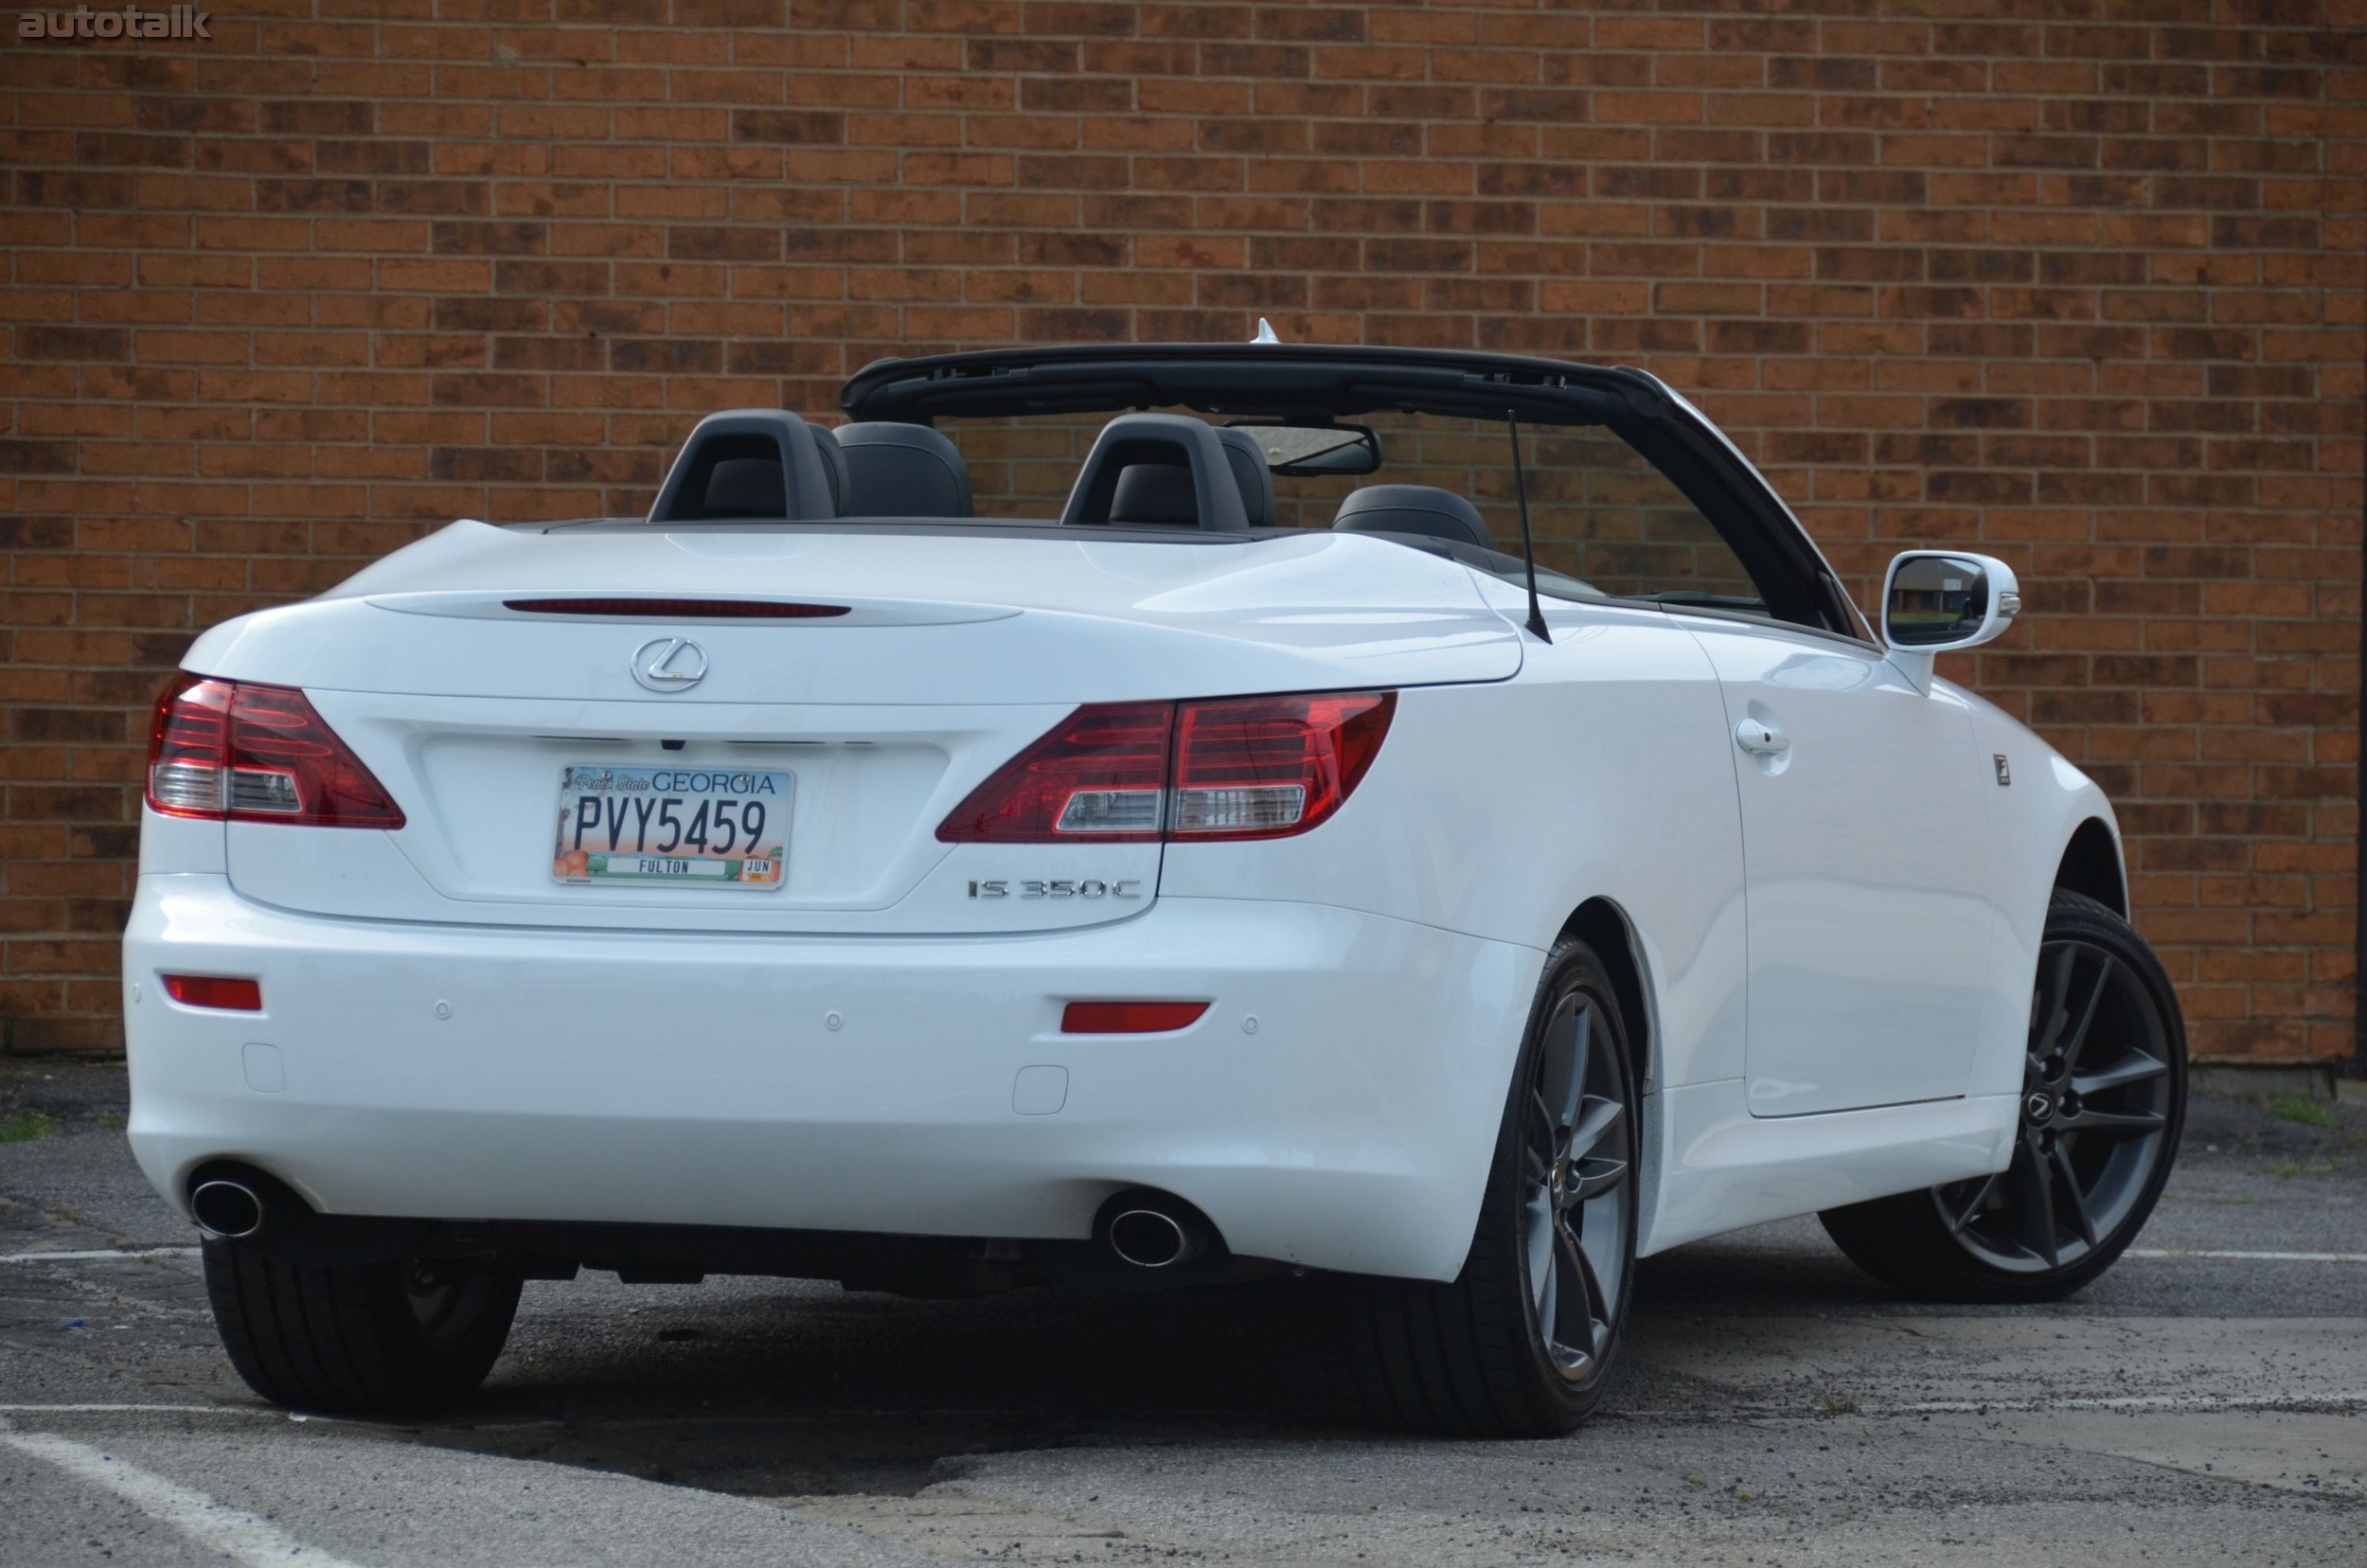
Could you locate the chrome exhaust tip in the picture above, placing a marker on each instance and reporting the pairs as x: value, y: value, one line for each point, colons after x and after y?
x: 1148, y: 1238
x: 1146, y: 1230
x: 228, y: 1209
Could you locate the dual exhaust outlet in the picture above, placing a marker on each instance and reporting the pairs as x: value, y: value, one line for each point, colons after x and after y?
x: 1143, y: 1229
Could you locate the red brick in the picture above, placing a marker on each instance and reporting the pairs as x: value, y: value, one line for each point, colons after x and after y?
x: 2083, y: 291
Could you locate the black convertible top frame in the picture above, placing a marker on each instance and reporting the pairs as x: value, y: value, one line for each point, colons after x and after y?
x: 1318, y: 383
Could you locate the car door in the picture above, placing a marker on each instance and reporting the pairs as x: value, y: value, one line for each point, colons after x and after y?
x: 1861, y: 805
x: 1864, y: 827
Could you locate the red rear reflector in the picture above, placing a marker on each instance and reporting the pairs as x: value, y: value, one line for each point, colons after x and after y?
x: 231, y: 750
x: 215, y: 991
x: 1130, y: 1017
x: 680, y: 609
x: 1227, y: 768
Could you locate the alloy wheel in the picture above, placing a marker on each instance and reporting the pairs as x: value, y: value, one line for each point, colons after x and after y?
x: 2095, y: 1115
x: 1575, y: 1162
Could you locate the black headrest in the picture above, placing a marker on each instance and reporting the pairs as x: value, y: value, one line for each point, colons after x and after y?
x: 1108, y: 490
x: 902, y: 471
x: 719, y: 474
x: 1155, y: 493
x: 1250, y: 474
x: 1413, y: 509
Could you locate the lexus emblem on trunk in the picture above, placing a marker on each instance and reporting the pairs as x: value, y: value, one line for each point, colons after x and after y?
x: 669, y: 664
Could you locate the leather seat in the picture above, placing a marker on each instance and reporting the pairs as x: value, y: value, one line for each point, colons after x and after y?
x: 1167, y: 470
x: 898, y: 470
x: 1155, y: 495
x: 1413, y: 509
x: 745, y: 486
x: 749, y: 464
x: 1160, y: 494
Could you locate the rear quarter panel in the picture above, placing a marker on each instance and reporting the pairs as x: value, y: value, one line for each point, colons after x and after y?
x: 1494, y: 810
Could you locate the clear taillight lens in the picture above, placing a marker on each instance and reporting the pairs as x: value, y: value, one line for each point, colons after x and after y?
x: 233, y: 750
x: 1228, y: 767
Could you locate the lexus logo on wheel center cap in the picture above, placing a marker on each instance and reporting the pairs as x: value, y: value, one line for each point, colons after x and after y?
x: 669, y: 664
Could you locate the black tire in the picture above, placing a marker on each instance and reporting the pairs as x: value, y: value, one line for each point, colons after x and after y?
x: 2104, y: 1100
x: 362, y: 1339
x: 1474, y: 1358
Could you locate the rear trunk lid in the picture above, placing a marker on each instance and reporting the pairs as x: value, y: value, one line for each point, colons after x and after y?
x: 852, y: 734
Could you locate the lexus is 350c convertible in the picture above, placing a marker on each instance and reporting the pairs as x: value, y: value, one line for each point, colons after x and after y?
x: 1124, y: 816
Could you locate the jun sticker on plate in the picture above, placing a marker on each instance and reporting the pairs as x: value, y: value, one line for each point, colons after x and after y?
x: 694, y: 827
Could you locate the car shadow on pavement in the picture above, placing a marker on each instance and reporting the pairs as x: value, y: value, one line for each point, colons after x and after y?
x: 781, y: 1388
x: 769, y: 1387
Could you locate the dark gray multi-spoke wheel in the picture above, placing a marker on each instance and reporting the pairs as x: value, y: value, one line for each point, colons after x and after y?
x: 2103, y: 1098
x: 1521, y: 1343
x: 1575, y: 1156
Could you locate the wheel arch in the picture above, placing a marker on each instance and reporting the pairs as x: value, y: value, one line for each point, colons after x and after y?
x: 2091, y: 865
x: 1604, y: 926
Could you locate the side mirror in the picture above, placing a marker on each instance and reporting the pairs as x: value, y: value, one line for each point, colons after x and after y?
x: 1934, y: 601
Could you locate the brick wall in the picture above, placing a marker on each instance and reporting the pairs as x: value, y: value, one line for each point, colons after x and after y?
x: 2079, y: 282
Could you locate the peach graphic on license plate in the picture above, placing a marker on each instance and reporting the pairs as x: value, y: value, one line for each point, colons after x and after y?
x: 693, y: 826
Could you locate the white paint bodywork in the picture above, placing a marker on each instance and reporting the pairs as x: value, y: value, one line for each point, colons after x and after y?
x: 1835, y: 953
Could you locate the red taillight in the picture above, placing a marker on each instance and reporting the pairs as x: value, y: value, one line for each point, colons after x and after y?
x: 1129, y: 1017
x: 1266, y: 767
x: 1134, y: 773
x: 232, y: 750
x: 1100, y: 776
x: 215, y: 991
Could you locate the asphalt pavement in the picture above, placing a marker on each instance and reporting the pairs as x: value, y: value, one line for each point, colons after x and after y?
x: 2205, y: 1401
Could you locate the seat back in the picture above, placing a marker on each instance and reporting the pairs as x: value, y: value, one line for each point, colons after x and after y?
x: 1160, y: 471
x: 1413, y: 509
x: 901, y: 471
x: 758, y: 464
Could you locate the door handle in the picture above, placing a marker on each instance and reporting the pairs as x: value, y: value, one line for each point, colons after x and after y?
x: 1762, y: 738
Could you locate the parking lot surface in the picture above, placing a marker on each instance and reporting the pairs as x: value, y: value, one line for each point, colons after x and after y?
x: 2206, y: 1401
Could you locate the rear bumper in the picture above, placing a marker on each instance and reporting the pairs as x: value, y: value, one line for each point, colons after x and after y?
x: 439, y: 1072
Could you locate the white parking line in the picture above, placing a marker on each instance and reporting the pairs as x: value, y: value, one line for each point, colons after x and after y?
x: 100, y: 1252
x: 134, y: 1409
x: 257, y: 1542
x: 2247, y: 1257
x: 2190, y: 1403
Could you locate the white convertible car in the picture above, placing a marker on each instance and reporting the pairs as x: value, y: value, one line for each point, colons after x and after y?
x: 1131, y: 815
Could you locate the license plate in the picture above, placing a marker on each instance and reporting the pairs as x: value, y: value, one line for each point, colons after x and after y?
x: 692, y: 827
